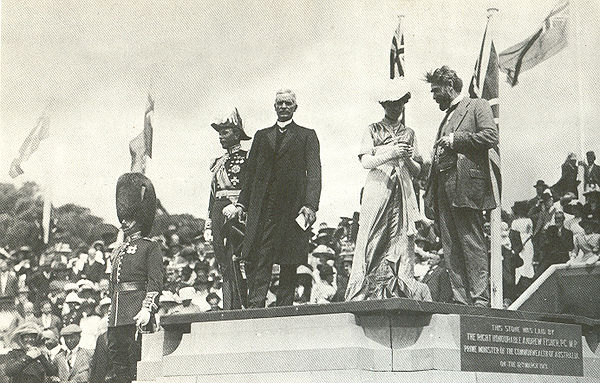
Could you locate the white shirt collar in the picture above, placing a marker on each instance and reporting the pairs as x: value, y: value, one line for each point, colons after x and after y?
x: 458, y: 99
x: 283, y: 124
x: 73, y: 351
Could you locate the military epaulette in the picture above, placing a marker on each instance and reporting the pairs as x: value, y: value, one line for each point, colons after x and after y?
x: 214, y: 163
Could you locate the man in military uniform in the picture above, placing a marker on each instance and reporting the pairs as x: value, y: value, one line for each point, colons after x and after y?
x: 227, y: 171
x: 136, y: 277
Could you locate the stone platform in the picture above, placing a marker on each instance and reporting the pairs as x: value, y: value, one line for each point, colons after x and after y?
x: 373, y: 341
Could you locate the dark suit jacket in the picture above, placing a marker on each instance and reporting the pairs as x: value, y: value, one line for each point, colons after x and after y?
x: 21, y: 368
x: 475, y: 132
x: 12, y: 286
x: 568, y: 180
x: 80, y: 371
x: 592, y: 176
x: 557, y: 247
x: 294, y: 173
x: 39, y: 285
x: 439, y: 285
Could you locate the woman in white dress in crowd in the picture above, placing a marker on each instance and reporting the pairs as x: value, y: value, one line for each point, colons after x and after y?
x: 384, y: 255
x: 522, y: 224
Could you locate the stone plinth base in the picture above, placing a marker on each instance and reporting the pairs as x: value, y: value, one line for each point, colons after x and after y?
x: 380, y: 342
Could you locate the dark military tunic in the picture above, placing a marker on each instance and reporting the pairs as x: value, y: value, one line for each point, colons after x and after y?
x: 136, y: 279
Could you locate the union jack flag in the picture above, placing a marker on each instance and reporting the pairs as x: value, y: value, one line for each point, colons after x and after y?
x: 484, y: 84
x: 397, y: 53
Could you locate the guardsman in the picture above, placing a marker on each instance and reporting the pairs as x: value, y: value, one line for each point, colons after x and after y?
x: 227, y: 174
x: 136, y: 277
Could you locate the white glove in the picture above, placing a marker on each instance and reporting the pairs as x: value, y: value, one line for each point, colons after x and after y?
x: 142, y: 318
x: 230, y: 211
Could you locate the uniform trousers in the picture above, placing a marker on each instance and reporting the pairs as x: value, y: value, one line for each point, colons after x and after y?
x: 231, y: 298
x: 465, y: 250
x: 122, y: 353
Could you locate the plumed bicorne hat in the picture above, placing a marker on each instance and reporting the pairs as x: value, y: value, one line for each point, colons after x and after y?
x: 232, y: 120
x: 136, y: 200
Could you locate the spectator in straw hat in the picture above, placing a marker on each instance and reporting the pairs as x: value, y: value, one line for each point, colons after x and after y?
x: 186, y: 294
x: 324, y: 286
x: 27, y: 363
x: 213, y: 300
x: 72, y: 310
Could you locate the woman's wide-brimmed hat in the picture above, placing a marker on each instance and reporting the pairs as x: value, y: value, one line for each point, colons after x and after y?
x: 25, y: 328
x: 393, y: 90
x: 232, y: 120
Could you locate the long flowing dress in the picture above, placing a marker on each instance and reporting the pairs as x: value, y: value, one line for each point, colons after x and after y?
x: 384, y: 254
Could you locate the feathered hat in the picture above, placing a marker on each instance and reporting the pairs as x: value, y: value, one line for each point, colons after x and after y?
x: 232, y: 120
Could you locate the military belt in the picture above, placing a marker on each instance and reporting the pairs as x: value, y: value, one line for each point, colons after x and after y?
x: 227, y: 194
x: 231, y: 195
x: 130, y: 286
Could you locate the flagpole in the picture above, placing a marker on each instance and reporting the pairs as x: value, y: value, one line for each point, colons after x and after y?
x: 574, y: 41
x: 496, y: 293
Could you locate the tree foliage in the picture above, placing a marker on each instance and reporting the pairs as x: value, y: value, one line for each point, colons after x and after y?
x: 21, y: 212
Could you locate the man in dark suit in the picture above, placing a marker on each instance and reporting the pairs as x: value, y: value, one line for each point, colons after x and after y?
x: 438, y: 280
x: 459, y: 188
x: 9, y: 285
x: 539, y: 186
x: 558, y: 243
x: 281, y: 191
x: 592, y: 171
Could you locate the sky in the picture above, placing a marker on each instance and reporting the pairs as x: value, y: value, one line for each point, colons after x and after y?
x: 95, y: 62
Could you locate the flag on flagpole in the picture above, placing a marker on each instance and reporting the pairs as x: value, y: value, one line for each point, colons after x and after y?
x: 484, y: 84
x: 549, y: 39
x: 397, y: 52
x: 30, y: 145
x: 141, y: 146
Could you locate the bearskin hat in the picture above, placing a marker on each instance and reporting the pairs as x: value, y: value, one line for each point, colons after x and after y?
x: 136, y: 200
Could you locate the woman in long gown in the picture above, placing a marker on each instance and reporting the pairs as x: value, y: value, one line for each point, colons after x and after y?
x: 384, y: 254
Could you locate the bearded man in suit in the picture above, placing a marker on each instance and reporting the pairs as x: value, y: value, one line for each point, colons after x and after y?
x: 281, y: 191
x: 459, y: 188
